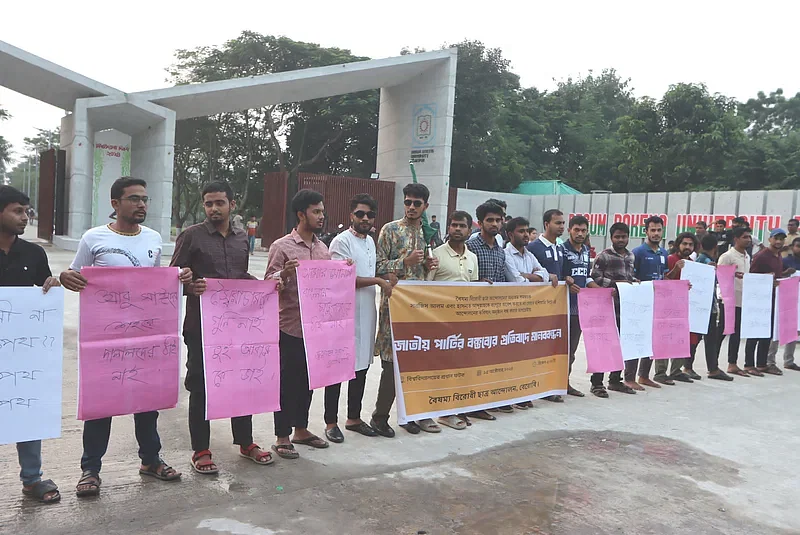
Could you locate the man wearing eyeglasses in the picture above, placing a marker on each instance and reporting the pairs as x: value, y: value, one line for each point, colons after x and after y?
x: 123, y: 243
x: 358, y: 245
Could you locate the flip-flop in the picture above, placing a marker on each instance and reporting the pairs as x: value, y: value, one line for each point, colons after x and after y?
x: 314, y: 441
x: 285, y: 451
x: 740, y: 372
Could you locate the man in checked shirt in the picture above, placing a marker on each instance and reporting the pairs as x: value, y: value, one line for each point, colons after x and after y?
x: 614, y: 265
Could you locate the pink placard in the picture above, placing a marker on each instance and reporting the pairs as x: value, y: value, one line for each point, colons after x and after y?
x: 128, y: 341
x: 241, y: 356
x: 327, y: 290
x: 726, y: 277
x: 788, y: 290
x: 670, y: 319
x: 600, y: 334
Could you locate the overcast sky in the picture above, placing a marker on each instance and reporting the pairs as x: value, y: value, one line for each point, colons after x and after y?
x: 735, y: 49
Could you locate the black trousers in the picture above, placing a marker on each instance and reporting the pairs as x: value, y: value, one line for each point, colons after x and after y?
x: 295, y: 395
x: 597, y: 378
x: 355, y: 394
x: 711, y: 341
x: 383, y: 405
x: 735, y: 338
x: 199, y: 428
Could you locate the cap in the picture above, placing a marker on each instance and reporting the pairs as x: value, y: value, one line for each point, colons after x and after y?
x: 776, y: 232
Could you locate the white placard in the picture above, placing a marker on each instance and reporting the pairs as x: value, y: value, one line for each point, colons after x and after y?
x: 636, y: 319
x: 757, y: 305
x: 701, y: 294
x: 31, y: 357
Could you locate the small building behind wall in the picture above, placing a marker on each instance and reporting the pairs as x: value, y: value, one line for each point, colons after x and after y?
x: 415, y: 124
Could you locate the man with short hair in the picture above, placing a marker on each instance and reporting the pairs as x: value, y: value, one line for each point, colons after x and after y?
x: 23, y: 263
x: 612, y: 266
x: 285, y: 255
x: 435, y: 225
x: 356, y: 244
x: 491, y: 262
x: 252, y: 230
x: 212, y: 249
x: 550, y: 255
x: 685, y: 245
x: 791, y: 262
x: 650, y: 264
x: 768, y: 261
x: 723, y: 237
x: 499, y: 236
x: 400, y: 253
x: 576, y: 267
x: 456, y: 264
x: 735, y: 256
x: 521, y: 264
x: 712, y: 338
x: 790, y: 237
x: 123, y: 243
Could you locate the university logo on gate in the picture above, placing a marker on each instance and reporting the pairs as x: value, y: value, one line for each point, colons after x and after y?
x: 423, y: 124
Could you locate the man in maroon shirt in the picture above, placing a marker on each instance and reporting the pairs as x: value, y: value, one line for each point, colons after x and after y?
x: 284, y: 257
x: 685, y: 245
x: 766, y: 261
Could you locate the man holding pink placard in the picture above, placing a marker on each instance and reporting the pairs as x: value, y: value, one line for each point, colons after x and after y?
x: 790, y: 262
x: 284, y: 258
x: 213, y: 249
x: 123, y: 243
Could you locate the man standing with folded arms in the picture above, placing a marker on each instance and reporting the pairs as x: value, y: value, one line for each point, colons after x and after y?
x: 735, y: 256
x: 123, y: 243
x: 400, y: 252
x: 213, y: 249
x: 23, y: 263
x: 285, y: 255
x: 357, y: 245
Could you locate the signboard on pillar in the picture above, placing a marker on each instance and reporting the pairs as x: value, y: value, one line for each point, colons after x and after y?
x: 636, y: 223
x: 112, y: 159
x: 597, y: 223
x: 761, y: 225
x: 424, y: 134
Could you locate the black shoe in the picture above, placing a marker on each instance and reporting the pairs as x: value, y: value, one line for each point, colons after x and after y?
x: 362, y: 428
x: 412, y: 427
x: 693, y: 375
x: 382, y: 428
x: 792, y: 366
x: 681, y: 377
x: 574, y: 392
x: 335, y: 435
x: 721, y: 375
x: 663, y: 379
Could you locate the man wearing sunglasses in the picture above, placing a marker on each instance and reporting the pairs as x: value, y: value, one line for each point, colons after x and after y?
x: 400, y: 252
x: 358, y: 245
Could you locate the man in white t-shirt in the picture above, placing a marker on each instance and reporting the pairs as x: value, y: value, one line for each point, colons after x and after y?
x: 123, y: 243
x: 355, y: 243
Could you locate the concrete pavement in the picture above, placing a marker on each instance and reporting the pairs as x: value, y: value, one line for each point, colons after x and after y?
x: 708, y: 457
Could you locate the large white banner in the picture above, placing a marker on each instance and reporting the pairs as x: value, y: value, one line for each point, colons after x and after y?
x: 636, y: 319
x: 701, y: 294
x: 31, y: 327
x: 757, y: 305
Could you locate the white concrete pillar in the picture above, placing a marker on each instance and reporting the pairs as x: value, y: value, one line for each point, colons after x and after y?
x: 416, y: 123
x: 77, y: 139
x: 152, y: 159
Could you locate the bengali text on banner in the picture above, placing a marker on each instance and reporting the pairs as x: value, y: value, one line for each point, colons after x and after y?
x: 461, y: 347
x: 129, y: 360
x: 241, y: 358
x: 327, y: 291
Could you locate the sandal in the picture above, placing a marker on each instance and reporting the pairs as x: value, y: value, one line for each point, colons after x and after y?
x: 42, y: 488
x: 92, y: 480
x: 314, y: 441
x: 599, y: 391
x: 263, y: 458
x: 285, y: 451
x: 738, y: 371
x: 429, y: 426
x: 207, y: 467
x: 160, y: 470
x: 754, y: 372
x: 453, y: 422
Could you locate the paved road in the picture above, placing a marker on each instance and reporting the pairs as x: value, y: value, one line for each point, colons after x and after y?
x: 705, y: 458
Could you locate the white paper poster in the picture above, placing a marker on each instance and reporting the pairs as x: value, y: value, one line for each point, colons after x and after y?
x: 757, y: 305
x: 701, y: 294
x: 636, y: 319
x: 31, y: 351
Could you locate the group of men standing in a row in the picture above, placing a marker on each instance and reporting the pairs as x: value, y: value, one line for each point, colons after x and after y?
x: 217, y: 249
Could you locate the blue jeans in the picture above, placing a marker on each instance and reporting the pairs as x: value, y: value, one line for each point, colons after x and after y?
x: 96, y: 434
x: 252, y: 240
x: 30, y: 461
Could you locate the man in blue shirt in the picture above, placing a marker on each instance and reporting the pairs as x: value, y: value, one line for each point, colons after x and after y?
x: 650, y: 264
x: 550, y: 255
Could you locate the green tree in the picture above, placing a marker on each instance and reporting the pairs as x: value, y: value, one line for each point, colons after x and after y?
x: 5, y: 146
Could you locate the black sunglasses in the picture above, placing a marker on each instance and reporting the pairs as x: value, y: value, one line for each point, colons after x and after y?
x: 409, y: 202
x: 361, y: 213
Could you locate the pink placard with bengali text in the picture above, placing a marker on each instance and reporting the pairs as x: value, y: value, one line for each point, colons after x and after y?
x: 241, y: 355
x: 788, y: 290
x: 129, y: 341
x: 726, y: 278
x: 327, y: 290
x: 600, y: 334
x: 670, y: 319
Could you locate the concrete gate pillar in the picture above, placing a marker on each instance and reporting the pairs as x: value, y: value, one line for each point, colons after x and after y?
x: 416, y: 124
x: 152, y: 158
